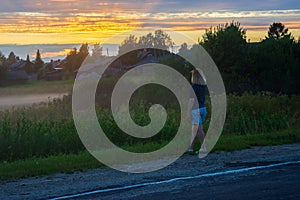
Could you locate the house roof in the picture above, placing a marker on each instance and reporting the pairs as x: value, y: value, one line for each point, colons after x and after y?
x: 17, y: 65
x: 146, y: 58
x: 59, y: 64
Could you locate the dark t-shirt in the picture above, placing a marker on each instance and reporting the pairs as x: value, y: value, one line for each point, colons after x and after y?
x: 200, y: 91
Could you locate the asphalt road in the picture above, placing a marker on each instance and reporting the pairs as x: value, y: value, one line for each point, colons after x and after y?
x: 256, y: 173
x: 276, y: 183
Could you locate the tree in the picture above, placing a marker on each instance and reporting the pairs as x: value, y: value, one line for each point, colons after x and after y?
x: 294, y: 71
x: 276, y: 61
x: 150, y: 42
x: 162, y: 40
x: 183, y: 49
x: 2, y: 59
x: 83, y: 51
x: 81, y: 56
x: 28, y: 66
x: 226, y: 44
x: 74, y: 60
x: 130, y: 57
x: 146, y: 41
x: 97, y: 51
x: 38, y: 63
x: 70, y: 62
x: 128, y: 44
x: 277, y: 31
x: 159, y: 39
x: 11, y: 58
x: 3, y: 68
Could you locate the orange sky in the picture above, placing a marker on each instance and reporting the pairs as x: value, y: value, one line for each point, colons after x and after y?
x: 74, y: 21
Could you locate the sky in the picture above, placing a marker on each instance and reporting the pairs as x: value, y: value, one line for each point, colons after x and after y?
x: 32, y: 22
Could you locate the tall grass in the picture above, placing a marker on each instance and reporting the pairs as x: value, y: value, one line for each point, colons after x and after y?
x: 48, y: 129
x: 262, y: 113
x: 36, y: 138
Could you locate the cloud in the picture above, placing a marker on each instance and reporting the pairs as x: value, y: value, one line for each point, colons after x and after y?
x: 24, y: 22
x: 144, y: 5
x: 52, y: 54
x: 233, y: 5
x: 108, y: 17
x: 76, y: 5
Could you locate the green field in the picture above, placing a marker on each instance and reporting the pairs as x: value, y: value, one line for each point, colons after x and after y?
x: 43, y: 139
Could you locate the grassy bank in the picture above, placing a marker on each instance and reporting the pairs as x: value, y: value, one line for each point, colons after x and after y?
x: 84, y: 161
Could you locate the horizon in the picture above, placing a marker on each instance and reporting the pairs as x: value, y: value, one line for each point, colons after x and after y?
x: 48, y: 51
x: 63, y: 50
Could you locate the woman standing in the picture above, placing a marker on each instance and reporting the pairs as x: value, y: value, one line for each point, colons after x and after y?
x: 197, y: 109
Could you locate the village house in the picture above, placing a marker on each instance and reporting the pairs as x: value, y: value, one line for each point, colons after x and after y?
x: 52, y: 71
x: 16, y: 73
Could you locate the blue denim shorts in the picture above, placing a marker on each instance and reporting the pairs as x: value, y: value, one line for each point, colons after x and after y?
x: 198, y: 115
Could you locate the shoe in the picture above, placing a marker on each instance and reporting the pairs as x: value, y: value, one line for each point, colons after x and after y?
x: 203, y: 151
x: 189, y: 150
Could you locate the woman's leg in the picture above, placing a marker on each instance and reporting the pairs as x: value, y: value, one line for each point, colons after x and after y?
x: 201, y: 136
x: 194, y: 135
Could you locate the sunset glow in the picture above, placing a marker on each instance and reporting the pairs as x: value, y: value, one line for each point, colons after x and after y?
x: 74, y: 21
x: 53, y: 54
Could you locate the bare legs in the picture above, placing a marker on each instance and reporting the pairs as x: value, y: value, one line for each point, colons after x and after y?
x: 201, y: 136
x: 194, y: 136
x: 197, y: 133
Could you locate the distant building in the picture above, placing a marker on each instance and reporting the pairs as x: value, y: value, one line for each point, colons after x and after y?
x: 19, y: 76
x: 54, y: 75
x: 145, y: 58
x: 16, y: 73
x: 94, y: 66
x: 58, y: 64
x: 52, y: 71
x: 18, y: 65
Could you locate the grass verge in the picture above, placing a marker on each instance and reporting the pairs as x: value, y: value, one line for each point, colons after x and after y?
x: 83, y: 161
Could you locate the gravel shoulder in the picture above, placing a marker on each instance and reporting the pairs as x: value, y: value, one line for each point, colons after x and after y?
x: 62, y: 184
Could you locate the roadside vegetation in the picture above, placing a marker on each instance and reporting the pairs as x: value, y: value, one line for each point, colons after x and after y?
x: 263, y: 105
x: 70, y: 163
x: 49, y: 130
x: 43, y: 139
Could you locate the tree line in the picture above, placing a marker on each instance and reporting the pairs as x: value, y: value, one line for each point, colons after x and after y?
x: 271, y: 65
x: 72, y: 62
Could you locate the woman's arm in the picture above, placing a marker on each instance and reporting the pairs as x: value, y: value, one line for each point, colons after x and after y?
x: 203, y: 76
